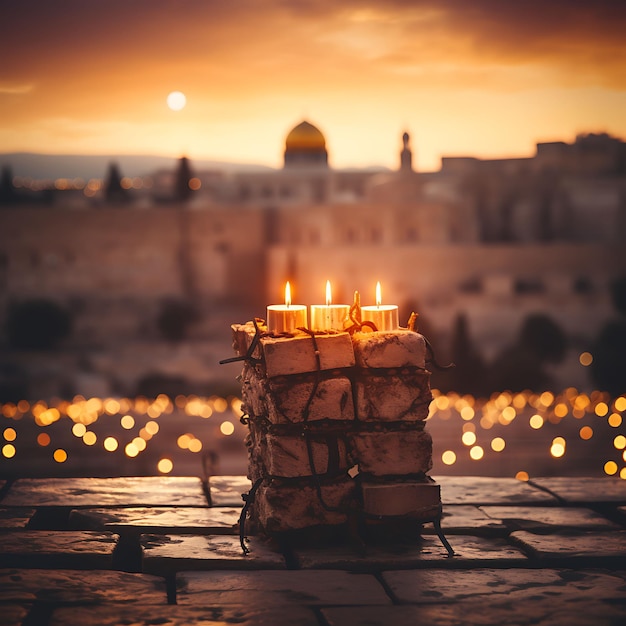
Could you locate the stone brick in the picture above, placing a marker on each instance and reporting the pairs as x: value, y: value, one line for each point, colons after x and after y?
x: 15, y: 517
x: 276, y: 588
x: 165, y: 554
x: 398, y: 348
x: 585, y: 489
x: 227, y: 490
x: 282, y: 507
x: 469, y: 552
x: 419, y: 499
x: 520, y: 586
x: 403, y: 395
x: 90, y: 492
x: 81, y: 587
x: 287, y: 456
x: 590, y: 546
x: 392, y: 452
x: 332, y: 400
x: 543, y: 518
x: 467, y: 520
x: 486, y: 490
x: 296, y: 355
x: 209, y: 521
x: 244, y: 615
x: 62, y: 549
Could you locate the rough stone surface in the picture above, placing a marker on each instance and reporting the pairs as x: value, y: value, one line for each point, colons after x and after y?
x: 493, y: 613
x: 398, y: 348
x: 401, y: 498
x: 173, y: 553
x: 599, y: 545
x: 486, y: 490
x: 311, y: 588
x: 280, y: 507
x: 544, y: 518
x: 15, y: 518
x: 80, y: 587
x: 392, y: 452
x: 40, y: 548
x: 469, y: 551
x: 467, y: 520
x: 297, y: 355
x: 210, y: 521
x: 585, y: 489
x: 404, y: 395
x: 227, y: 490
x: 518, y: 585
x: 244, y: 615
x: 332, y: 400
x: 90, y: 492
x: 287, y: 456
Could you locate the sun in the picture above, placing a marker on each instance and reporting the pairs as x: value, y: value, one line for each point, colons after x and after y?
x: 176, y: 100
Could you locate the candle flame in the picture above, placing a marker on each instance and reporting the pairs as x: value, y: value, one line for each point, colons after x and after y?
x: 288, y: 294
x: 329, y: 297
x: 379, y: 298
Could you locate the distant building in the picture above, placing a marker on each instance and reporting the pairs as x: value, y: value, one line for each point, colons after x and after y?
x: 495, y: 239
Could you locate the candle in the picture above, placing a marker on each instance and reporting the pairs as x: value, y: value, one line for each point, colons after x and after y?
x: 285, y: 318
x: 383, y: 316
x: 329, y: 316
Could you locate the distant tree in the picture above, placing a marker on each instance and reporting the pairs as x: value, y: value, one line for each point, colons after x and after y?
x: 7, y: 189
x: 182, y: 190
x: 522, y: 366
x: 608, y: 369
x: 469, y: 373
x: 37, y: 324
x: 113, y: 190
x: 174, y: 319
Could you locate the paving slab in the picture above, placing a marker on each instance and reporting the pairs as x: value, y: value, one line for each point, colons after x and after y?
x: 493, y: 613
x: 591, y: 546
x: 96, y: 492
x: 469, y: 551
x: 463, y: 519
x: 15, y: 518
x: 227, y: 490
x: 429, y: 586
x: 58, y: 549
x: 14, y: 614
x: 244, y: 615
x: 548, y: 518
x: 175, y: 553
x: 177, y: 520
x: 585, y: 489
x: 480, y: 490
x: 273, y: 588
x: 80, y: 587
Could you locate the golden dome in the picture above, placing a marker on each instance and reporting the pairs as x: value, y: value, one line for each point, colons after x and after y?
x: 305, y: 136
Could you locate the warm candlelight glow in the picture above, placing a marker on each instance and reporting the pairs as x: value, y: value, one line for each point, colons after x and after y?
x: 383, y: 316
x: 286, y: 318
x: 287, y: 294
x: 329, y: 316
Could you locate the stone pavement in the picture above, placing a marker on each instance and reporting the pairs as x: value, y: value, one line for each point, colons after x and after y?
x: 165, y: 550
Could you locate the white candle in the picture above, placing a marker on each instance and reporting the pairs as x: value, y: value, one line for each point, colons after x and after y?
x: 383, y: 316
x: 285, y: 318
x: 329, y: 316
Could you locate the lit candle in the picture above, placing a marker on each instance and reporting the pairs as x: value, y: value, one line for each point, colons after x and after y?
x: 329, y: 316
x: 285, y: 318
x: 383, y: 316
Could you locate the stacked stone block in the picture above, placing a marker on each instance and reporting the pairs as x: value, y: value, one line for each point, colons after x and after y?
x: 336, y: 427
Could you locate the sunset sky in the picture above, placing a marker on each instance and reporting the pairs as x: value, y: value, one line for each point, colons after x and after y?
x: 486, y: 78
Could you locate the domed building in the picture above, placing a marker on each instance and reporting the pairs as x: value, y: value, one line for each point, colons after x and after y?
x: 305, y: 146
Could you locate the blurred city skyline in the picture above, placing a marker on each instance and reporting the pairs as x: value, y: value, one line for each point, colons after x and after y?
x: 486, y: 79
